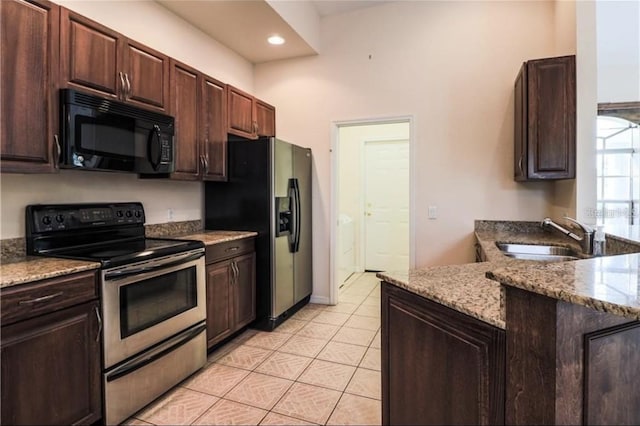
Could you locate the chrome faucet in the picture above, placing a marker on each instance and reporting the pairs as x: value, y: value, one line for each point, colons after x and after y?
x: 586, y: 241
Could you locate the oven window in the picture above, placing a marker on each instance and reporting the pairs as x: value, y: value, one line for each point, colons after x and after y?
x: 144, y: 304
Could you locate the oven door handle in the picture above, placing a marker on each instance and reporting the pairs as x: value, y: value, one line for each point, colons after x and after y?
x: 124, y: 273
x: 158, y: 352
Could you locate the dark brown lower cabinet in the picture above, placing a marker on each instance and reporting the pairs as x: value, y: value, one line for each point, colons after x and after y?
x: 51, y: 368
x: 231, y: 288
x: 439, y: 366
x: 569, y: 364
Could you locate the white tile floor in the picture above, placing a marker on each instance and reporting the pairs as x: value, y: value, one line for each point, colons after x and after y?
x: 322, y: 366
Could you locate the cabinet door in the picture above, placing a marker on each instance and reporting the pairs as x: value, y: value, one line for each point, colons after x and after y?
x: 214, y: 117
x: 520, y: 126
x: 551, y: 95
x: 146, y: 76
x: 219, y: 302
x: 241, y: 113
x: 90, y: 55
x: 184, y: 107
x: 28, y: 77
x: 265, y: 119
x: 438, y: 366
x: 51, y: 368
x: 245, y: 289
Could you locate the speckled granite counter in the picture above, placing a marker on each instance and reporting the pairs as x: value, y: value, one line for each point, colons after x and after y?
x: 215, y: 237
x: 27, y: 269
x: 608, y: 284
x: 20, y: 269
x: 461, y: 287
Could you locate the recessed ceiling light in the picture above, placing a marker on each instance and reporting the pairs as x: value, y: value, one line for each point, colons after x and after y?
x: 275, y: 39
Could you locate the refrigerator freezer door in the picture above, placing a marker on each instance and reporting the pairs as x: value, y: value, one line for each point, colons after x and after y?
x: 283, y: 278
x: 302, y: 258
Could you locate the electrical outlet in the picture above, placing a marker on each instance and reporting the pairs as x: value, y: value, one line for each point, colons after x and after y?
x: 169, y: 214
x: 432, y: 212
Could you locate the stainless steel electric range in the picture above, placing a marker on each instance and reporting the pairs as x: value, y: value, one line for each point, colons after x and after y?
x: 152, y: 296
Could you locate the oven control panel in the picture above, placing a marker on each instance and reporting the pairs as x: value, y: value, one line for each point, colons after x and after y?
x: 63, y: 217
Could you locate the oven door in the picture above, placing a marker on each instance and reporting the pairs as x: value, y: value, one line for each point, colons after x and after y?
x: 146, y: 303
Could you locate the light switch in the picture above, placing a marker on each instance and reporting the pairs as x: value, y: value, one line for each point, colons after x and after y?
x: 433, y: 212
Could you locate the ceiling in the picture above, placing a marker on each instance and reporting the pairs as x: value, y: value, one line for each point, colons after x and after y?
x: 244, y: 25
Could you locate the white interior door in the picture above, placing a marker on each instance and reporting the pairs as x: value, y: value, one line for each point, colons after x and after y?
x: 386, y: 205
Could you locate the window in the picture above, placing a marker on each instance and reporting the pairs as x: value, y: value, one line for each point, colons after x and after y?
x: 618, y: 171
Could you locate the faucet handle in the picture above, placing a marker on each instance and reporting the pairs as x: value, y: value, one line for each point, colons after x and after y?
x: 586, y: 228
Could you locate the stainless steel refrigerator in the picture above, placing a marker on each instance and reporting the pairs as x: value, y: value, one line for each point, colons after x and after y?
x: 269, y: 191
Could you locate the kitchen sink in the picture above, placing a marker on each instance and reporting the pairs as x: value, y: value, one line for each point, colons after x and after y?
x: 543, y: 253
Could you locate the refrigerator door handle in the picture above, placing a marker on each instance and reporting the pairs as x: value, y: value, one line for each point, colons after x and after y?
x: 296, y: 216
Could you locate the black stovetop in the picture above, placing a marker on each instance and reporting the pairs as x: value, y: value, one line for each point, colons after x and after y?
x: 126, y: 252
x: 112, y: 234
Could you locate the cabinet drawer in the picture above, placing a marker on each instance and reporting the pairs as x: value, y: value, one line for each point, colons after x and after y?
x: 30, y: 300
x: 220, y: 251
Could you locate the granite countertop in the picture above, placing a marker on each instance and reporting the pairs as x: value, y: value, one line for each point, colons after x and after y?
x: 609, y: 283
x: 215, y: 237
x: 461, y: 287
x: 21, y: 269
x: 25, y: 269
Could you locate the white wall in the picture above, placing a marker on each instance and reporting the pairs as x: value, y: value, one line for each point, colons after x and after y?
x: 75, y: 186
x: 153, y: 25
x: 608, y: 70
x: 566, y: 34
x: 618, y: 50
x: 452, y: 66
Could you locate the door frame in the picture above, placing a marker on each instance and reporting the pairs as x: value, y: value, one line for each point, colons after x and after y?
x: 333, y: 237
x: 362, y: 259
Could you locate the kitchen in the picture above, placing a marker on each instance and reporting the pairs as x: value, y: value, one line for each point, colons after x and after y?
x: 337, y: 84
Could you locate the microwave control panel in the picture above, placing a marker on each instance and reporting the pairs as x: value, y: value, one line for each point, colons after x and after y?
x: 166, y: 153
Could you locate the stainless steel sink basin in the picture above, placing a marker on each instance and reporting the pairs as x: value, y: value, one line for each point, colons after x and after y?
x: 543, y: 253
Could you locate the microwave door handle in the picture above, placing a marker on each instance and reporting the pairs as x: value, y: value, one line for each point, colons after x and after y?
x: 155, y: 138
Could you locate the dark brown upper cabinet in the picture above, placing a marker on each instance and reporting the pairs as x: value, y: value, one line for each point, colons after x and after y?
x: 28, y: 82
x: 198, y: 103
x: 249, y: 117
x: 545, y: 120
x: 97, y: 59
x: 265, y: 118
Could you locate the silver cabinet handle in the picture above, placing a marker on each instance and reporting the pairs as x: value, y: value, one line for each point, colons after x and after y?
x: 123, y: 86
x: 206, y: 164
x: 126, y: 77
x: 99, y: 318
x: 40, y: 299
x: 520, y: 165
x: 234, y: 270
x: 234, y: 248
x: 56, y: 159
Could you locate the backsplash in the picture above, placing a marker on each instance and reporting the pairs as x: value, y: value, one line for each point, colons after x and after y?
x: 172, y: 229
x: 12, y: 247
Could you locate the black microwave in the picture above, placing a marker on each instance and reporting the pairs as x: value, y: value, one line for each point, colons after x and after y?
x: 104, y: 134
